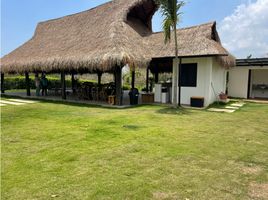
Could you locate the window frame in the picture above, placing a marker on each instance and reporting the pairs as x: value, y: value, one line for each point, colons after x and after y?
x: 195, y: 65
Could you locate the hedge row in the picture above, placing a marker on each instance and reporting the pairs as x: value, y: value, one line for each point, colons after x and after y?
x: 12, y: 83
x: 18, y: 82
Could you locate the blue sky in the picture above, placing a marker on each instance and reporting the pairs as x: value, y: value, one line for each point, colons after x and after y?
x: 20, y: 17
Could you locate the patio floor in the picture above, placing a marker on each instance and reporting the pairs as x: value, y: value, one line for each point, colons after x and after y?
x: 71, y: 99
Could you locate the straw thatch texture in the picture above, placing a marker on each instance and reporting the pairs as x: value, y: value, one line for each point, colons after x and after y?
x: 202, y: 40
x: 113, y: 34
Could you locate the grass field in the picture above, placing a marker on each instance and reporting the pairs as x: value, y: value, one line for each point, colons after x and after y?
x: 61, y: 151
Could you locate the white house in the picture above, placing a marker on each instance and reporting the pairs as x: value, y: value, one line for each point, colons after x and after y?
x: 204, y: 65
x: 202, y: 77
x: 208, y: 80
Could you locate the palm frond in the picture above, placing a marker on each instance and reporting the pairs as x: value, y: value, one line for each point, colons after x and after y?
x: 167, y: 24
x: 170, y: 11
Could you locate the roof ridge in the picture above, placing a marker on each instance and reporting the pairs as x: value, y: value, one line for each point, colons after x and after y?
x: 189, y: 27
x: 58, y: 18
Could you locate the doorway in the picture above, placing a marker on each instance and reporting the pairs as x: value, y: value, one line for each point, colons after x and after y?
x: 258, y: 84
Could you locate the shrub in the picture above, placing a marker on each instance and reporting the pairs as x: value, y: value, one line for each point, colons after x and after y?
x: 126, y: 87
x: 18, y: 82
x: 144, y: 89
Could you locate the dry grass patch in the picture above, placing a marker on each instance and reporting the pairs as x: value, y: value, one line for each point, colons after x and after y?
x: 259, y: 191
x: 165, y: 196
x: 252, y: 170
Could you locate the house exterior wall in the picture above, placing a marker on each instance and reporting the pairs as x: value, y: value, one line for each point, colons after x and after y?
x: 208, y: 71
x: 238, y: 80
x: 218, y: 84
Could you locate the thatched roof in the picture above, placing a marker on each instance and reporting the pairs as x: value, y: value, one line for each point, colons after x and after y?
x: 201, y: 40
x: 113, y: 34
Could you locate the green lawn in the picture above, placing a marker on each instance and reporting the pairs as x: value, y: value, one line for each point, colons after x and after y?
x: 148, y: 152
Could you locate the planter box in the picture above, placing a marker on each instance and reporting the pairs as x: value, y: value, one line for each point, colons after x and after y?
x: 197, y: 102
x: 147, y: 98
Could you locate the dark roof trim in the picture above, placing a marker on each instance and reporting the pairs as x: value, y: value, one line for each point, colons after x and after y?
x: 194, y: 56
x: 257, y: 62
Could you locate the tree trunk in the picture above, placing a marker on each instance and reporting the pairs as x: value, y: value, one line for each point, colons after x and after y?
x: 147, y: 80
x: 179, y: 100
x: 175, y: 70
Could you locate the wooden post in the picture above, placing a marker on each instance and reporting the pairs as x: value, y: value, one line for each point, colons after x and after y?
x: 73, y: 84
x: 27, y: 80
x: 99, y: 78
x: 2, y: 83
x: 147, y: 79
x: 156, y: 77
x: 114, y: 76
x: 132, y: 79
x: 118, y: 86
x: 63, y: 85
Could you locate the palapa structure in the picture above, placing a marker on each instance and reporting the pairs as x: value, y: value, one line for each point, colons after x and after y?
x: 106, y: 38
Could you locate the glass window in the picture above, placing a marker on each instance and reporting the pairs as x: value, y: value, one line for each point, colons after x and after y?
x: 189, y: 75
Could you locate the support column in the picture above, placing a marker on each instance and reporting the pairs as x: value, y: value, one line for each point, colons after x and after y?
x: 73, y: 84
x: 114, y: 75
x: 27, y: 80
x: 147, y: 80
x: 63, y: 85
x: 2, y: 83
x: 156, y: 77
x: 99, y: 78
x: 118, y: 86
x: 132, y: 79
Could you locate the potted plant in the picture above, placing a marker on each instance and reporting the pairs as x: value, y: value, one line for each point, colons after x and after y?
x: 223, y: 96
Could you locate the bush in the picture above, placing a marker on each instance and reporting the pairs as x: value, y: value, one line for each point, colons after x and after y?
x: 11, y: 83
x: 126, y: 87
x: 18, y: 82
x: 144, y: 89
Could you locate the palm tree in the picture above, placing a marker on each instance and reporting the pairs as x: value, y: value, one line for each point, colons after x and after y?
x: 170, y: 11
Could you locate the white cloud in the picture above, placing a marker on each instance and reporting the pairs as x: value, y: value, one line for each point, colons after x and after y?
x: 245, y: 32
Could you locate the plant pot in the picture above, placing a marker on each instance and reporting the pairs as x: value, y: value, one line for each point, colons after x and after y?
x: 223, y: 96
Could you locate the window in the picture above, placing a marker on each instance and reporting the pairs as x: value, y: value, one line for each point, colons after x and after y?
x: 189, y: 75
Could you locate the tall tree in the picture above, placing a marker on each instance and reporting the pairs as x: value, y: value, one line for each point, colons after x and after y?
x: 170, y: 10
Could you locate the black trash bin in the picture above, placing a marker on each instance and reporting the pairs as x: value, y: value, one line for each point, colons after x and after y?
x: 134, y: 96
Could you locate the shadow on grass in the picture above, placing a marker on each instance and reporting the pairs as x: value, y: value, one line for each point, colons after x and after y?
x: 132, y: 127
x: 221, y: 104
x: 174, y: 111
